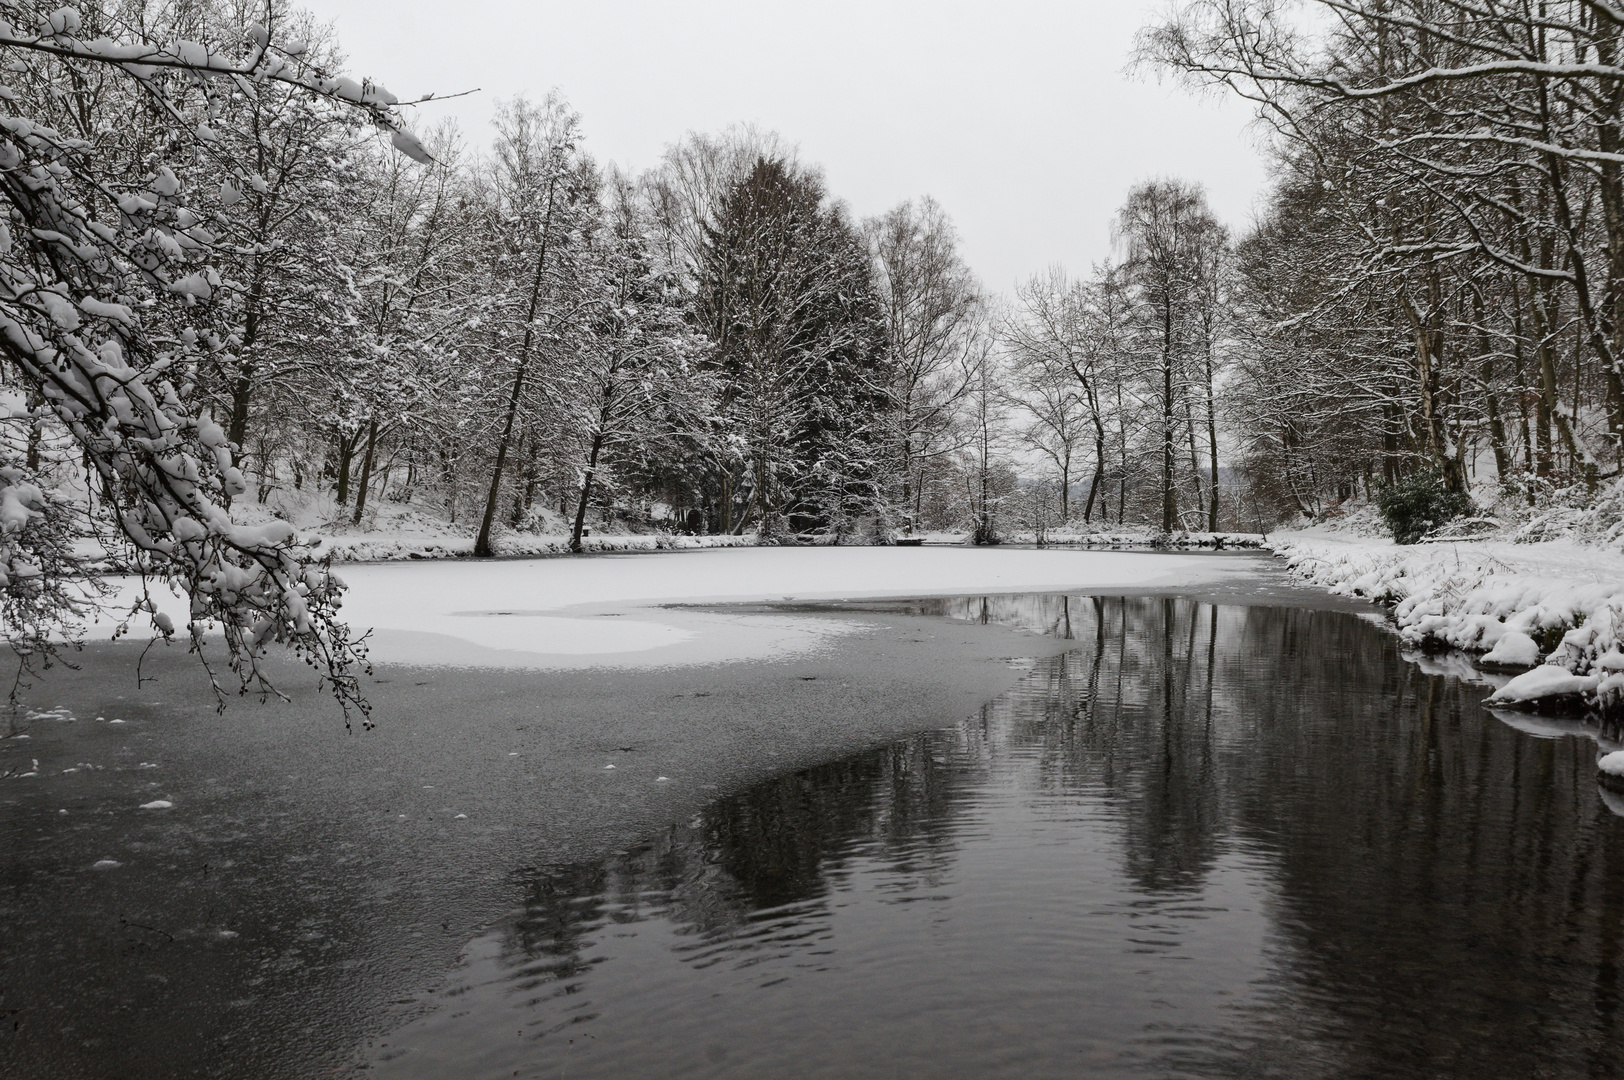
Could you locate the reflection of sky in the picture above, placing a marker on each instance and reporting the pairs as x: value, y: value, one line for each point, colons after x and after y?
x: 1205, y: 842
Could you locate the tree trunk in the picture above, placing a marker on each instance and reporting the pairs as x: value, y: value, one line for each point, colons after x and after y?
x: 482, y: 544
x: 242, y: 389
x: 346, y: 453
x: 366, y: 469
x: 1497, y: 425
x: 1212, y: 444
x: 907, y: 487
x: 36, y: 428
x: 1065, y: 488
x: 1094, y: 482
x: 1169, y: 503
x: 586, y: 490
x: 1195, y: 457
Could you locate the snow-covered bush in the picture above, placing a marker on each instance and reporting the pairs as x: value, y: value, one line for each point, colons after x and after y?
x: 1419, y: 504
x: 1577, y: 512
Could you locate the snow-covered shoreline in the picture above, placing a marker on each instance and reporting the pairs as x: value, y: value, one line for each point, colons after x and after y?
x: 365, y: 547
x: 1555, y: 608
x: 1136, y: 538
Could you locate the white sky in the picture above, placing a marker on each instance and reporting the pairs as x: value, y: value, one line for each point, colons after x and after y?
x: 1017, y: 116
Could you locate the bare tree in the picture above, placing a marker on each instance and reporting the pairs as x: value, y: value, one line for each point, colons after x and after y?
x: 1168, y: 233
x: 539, y: 187
x: 932, y: 307
x: 1052, y: 369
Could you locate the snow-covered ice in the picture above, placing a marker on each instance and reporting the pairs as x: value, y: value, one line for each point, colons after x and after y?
x: 157, y: 804
x: 606, y: 610
x: 1612, y: 764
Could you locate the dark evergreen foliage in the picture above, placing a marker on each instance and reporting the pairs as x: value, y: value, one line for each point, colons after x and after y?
x: 785, y: 295
x: 1419, y: 504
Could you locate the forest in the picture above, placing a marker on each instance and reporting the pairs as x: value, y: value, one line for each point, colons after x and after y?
x: 240, y: 292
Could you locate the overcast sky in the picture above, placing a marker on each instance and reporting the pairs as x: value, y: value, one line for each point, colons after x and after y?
x: 1017, y: 116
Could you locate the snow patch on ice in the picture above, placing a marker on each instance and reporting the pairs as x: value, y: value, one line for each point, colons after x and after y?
x: 157, y: 804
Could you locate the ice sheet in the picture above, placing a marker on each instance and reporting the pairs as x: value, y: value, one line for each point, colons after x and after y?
x: 574, y: 612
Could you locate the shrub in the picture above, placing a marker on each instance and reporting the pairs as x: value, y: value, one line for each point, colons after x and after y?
x: 1420, y: 503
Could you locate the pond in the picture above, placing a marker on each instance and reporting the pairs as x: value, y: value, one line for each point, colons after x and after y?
x: 1208, y: 841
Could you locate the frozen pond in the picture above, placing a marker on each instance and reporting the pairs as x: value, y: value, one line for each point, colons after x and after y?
x: 636, y: 611
x: 1211, y: 841
x: 1238, y: 835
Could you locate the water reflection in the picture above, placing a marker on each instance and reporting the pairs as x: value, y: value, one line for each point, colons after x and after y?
x: 1209, y: 841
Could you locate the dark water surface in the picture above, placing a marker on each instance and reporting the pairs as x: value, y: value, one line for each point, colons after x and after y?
x: 1210, y: 841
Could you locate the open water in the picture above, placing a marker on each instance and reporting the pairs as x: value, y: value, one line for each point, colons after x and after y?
x: 1207, y: 842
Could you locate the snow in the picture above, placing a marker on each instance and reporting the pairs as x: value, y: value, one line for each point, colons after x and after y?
x: 1141, y: 537
x: 552, y: 613
x: 1612, y: 764
x: 157, y: 804
x: 1514, y: 649
x: 1545, y: 681
x: 1509, y: 601
x: 606, y: 610
x: 373, y: 547
x: 394, y: 531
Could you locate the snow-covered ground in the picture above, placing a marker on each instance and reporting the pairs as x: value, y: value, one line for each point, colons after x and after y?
x: 1556, y: 607
x: 391, y: 531
x: 607, y: 610
x: 378, y: 547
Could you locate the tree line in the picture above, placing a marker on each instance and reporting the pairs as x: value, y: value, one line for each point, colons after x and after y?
x: 230, y: 275
x: 515, y: 337
x: 1436, y: 279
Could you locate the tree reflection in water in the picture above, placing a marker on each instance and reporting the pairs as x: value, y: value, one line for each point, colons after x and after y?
x: 1208, y: 841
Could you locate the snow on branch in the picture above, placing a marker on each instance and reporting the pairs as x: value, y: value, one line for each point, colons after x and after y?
x: 107, y: 291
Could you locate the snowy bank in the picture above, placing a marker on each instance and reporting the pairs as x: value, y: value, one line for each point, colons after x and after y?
x: 1610, y: 770
x: 1125, y: 538
x: 1517, y: 604
x: 1121, y: 538
x: 380, y: 547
